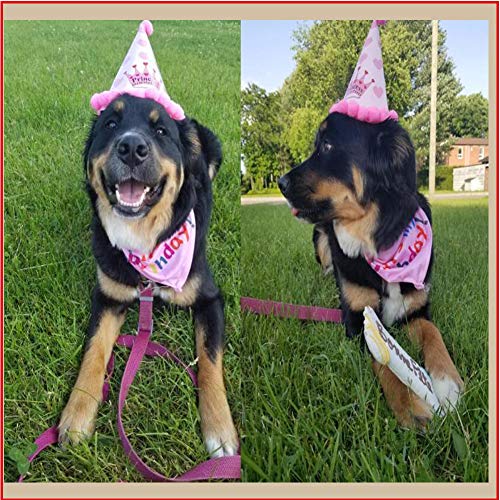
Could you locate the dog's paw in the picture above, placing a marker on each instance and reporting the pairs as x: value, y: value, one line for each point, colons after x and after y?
x: 411, y: 411
x: 418, y: 414
x: 223, y: 444
x: 77, y: 419
x: 448, y: 388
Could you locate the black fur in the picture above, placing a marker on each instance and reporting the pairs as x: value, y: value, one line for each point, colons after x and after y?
x: 195, y: 193
x: 384, y: 156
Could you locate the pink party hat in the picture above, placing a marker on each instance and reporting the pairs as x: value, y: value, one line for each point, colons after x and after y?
x: 366, y: 98
x: 139, y: 76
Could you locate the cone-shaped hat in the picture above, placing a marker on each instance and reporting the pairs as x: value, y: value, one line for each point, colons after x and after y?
x: 139, y: 76
x: 366, y: 98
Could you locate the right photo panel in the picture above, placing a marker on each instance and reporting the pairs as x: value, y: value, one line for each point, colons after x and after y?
x: 364, y: 250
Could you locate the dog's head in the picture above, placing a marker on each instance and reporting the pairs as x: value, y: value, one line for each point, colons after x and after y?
x: 141, y: 165
x: 355, y: 166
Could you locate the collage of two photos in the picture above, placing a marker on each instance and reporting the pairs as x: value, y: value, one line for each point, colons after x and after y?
x: 249, y: 251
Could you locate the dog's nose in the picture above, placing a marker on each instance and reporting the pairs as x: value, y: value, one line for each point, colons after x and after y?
x: 132, y: 149
x: 284, y: 184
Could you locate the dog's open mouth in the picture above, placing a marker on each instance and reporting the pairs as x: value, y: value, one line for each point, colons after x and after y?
x: 133, y: 198
x: 131, y: 193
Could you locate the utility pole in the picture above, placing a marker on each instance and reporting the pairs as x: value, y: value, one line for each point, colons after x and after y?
x: 432, y: 138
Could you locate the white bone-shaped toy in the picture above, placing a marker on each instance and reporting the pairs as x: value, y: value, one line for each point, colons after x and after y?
x: 389, y: 353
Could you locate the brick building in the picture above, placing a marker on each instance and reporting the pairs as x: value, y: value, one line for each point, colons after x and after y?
x: 467, y: 151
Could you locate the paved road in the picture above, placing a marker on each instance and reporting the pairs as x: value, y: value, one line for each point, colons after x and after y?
x: 444, y: 196
x: 276, y: 200
x: 255, y: 200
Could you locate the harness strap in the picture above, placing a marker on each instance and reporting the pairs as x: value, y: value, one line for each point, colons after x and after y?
x: 283, y: 310
x: 214, y: 469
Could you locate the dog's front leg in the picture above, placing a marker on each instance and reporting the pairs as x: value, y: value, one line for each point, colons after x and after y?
x: 354, y: 299
x: 445, y: 378
x: 78, y: 418
x: 217, y: 425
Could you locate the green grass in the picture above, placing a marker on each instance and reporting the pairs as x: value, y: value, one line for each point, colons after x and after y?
x: 273, y: 191
x: 271, y: 194
x: 51, y: 70
x: 313, y: 410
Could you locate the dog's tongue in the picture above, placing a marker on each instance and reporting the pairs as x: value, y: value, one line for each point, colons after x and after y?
x: 131, y: 191
x: 295, y: 212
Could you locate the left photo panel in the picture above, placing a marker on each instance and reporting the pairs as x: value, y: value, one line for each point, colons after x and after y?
x: 122, y: 251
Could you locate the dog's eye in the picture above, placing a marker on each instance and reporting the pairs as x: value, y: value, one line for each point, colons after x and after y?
x: 161, y: 131
x: 110, y: 124
x: 326, y: 146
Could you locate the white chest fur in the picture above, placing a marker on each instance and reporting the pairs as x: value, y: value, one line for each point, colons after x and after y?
x: 122, y: 235
x: 350, y: 245
x: 393, y: 306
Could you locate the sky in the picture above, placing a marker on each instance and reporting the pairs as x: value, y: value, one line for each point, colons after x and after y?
x: 267, y: 56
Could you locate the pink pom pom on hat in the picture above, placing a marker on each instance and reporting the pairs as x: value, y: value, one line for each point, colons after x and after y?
x: 139, y: 76
x: 366, y: 99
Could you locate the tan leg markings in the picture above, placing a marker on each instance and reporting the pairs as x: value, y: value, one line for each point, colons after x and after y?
x: 324, y: 252
x: 445, y: 378
x: 409, y: 409
x: 185, y: 298
x: 217, y: 425
x: 115, y: 290
x: 358, y: 297
x: 78, y: 418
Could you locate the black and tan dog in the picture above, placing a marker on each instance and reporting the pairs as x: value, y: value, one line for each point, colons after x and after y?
x: 359, y: 189
x: 134, y: 146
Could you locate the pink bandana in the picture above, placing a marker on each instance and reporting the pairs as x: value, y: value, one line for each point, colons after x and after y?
x: 170, y: 262
x: 408, y: 259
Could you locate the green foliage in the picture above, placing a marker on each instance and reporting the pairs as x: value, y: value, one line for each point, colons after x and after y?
x: 264, y: 155
x: 326, y: 54
x: 444, y: 178
x: 300, y: 133
x: 470, y: 118
x: 19, y: 455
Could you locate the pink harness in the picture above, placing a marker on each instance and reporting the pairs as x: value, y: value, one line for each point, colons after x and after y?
x: 408, y: 259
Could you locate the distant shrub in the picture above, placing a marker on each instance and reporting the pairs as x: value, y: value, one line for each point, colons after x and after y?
x: 444, y: 178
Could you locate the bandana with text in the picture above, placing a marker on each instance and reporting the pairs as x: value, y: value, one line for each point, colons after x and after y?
x: 170, y: 262
x: 408, y: 259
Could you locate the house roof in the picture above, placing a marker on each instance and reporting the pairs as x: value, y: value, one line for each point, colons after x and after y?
x: 470, y: 141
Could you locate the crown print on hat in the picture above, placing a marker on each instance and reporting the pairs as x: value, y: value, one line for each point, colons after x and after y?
x: 145, y: 78
x: 365, y: 98
x: 358, y: 86
x: 139, y: 76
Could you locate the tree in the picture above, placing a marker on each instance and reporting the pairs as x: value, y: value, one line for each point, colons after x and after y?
x: 264, y: 155
x: 326, y: 54
x: 299, y: 135
x: 470, y: 116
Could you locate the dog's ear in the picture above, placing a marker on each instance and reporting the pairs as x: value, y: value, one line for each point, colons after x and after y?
x: 394, y: 179
x: 210, y: 148
x: 392, y: 158
x: 88, y: 144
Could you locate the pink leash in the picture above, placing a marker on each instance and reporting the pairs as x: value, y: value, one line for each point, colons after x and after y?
x: 216, y: 468
x: 283, y: 310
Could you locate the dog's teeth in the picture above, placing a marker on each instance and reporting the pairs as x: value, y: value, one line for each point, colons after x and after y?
x: 131, y: 205
x: 146, y: 189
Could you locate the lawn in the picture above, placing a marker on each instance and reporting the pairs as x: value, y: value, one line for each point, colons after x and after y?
x: 313, y: 410
x: 51, y: 70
